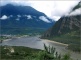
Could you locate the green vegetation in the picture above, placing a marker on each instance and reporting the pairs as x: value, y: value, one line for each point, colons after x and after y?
x: 23, y: 31
x: 25, y: 53
x: 19, y: 53
x: 19, y: 32
x: 3, y: 37
x: 72, y: 39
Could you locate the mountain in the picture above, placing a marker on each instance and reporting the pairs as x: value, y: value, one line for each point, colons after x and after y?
x: 67, y: 29
x: 23, y: 16
x: 11, y: 9
x: 66, y: 24
x: 77, y: 6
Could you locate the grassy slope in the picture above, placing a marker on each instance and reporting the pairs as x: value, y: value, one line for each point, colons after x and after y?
x: 25, y: 53
x: 72, y: 39
x: 20, y: 53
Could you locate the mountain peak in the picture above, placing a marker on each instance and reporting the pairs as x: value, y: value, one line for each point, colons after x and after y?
x: 19, y: 10
x: 66, y: 24
x: 77, y: 6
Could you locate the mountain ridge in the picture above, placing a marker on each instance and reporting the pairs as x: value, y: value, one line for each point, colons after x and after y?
x: 10, y: 9
x: 68, y: 23
x: 24, y: 15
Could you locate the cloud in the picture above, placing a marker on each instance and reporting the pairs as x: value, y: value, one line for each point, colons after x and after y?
x: 19, y: 16
x: 55, y: 17
x: 76, y: 12
x: 54, y: 9
x: 4, y: 17
x: 51, y: 8
x: 29, y: 17
x: 44, y: 19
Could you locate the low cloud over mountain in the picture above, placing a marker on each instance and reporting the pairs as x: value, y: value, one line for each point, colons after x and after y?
x: 23, y: 16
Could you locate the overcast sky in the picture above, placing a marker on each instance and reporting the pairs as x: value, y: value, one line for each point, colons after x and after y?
x: 53, y: 8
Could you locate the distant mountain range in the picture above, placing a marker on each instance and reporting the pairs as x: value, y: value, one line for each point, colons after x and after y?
x: 23, y: 16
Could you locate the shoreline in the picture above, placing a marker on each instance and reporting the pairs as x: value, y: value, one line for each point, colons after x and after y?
x: 7, y: 39
x: 54, y: 42
x: 12, y: 38
x: 42, y: 40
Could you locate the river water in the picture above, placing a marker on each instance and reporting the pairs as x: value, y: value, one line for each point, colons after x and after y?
x: 36, y: 42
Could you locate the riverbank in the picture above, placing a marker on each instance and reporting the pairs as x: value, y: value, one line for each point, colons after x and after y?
x: 74, y: 55
x: 54, y: 42
x: 7, y: 39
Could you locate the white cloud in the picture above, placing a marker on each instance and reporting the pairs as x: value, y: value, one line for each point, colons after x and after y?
x: 52, y: 8
x: 4, y: 17
x: 44, y: 19
x: 19, y: 16
x: 63, y: 7
x: 55, y: 17
x: 29, y: 17
x: 76, y: 12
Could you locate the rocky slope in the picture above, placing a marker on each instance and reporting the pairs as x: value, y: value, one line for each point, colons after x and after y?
x: 66, y: 24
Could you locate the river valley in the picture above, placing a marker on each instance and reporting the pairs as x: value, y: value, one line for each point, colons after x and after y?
x: 37, y: 43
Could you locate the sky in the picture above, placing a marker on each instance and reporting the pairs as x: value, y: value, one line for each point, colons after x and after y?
x: 52, y: 8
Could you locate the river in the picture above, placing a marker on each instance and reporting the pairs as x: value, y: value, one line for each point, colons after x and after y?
x: 37, y: 43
